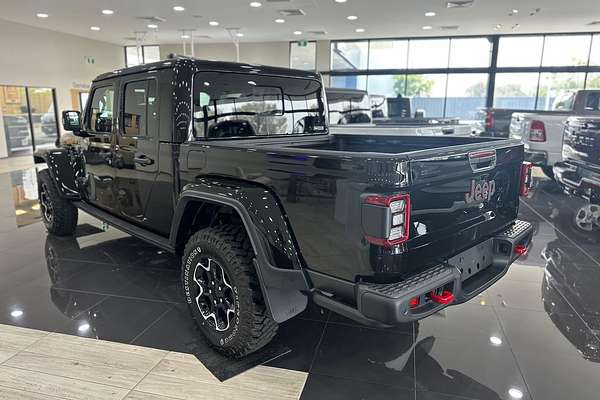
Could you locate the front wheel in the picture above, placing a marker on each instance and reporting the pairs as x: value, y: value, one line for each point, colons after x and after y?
x: 223, y: 293
x: 58, y: 214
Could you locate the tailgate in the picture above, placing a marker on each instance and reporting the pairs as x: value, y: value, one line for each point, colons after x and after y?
x: 582, y: 140
x: 518, y: 127
x: 460, y: 197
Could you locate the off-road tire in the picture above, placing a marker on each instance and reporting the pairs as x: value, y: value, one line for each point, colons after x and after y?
x: 251, y: 326
x: 59, y: 215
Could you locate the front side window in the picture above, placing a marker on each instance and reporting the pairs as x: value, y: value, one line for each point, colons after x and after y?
x: 240, y: 105
x: 140, y: 114
x: 101, y: 110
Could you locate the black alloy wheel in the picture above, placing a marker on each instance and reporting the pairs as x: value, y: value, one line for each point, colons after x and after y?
x: 215, y: 297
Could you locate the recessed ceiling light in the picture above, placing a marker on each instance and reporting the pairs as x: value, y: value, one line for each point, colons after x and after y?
x: 239, y: 34
x: 427, y: 27
x: 359, y: 30
x: 185, y: 36
x: 351, y: 17
x: 515, y: 393
x: 94, y: 28
x: 152, y: 26
x: 430, y: 14
x: 41, y: 15
x: 213, y: 23
x: 495, y: 340
x: 498, y: 26
x: 178, y: 8
x: 515, y: 11
x: 341, y: 1
x: 16, y: 313
x: 255, y: 4
x: 83, y: 327
x: 297, y: 32
x: 108, y: 12
x: 280, y: 20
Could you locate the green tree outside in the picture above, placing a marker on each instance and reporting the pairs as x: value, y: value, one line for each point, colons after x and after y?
x: 416, y: 85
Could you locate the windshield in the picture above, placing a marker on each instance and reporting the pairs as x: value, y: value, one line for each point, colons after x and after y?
x: 230, y: 105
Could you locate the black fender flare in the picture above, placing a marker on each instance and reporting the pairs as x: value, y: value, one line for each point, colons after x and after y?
x: 284, y: 289
x: 64, y: 166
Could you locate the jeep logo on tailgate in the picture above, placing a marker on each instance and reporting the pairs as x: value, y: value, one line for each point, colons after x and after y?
x: 480, y: 191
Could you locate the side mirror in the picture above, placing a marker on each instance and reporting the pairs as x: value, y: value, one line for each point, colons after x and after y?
x: 72, y: 121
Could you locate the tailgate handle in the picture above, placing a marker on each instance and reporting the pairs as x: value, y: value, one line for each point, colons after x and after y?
x: 482, y: 160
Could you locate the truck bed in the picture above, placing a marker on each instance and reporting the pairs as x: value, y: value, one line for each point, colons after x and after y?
x: 395, y: 144
x: 321, y: 182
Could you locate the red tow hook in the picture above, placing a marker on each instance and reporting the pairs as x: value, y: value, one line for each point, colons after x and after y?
x: 445, y: 298
x: 521, y: 249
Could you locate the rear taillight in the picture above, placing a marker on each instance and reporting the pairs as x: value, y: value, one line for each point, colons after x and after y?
x: 489, y: 120
x: 394, y: 213
x: 526, y: 179
x: 537, y: 131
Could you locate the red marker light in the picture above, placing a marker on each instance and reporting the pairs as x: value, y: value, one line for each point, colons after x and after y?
x: 413, y: 302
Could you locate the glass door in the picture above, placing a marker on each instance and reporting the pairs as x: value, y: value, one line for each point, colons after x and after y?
x: 14, y: 113
x: 43, y: 117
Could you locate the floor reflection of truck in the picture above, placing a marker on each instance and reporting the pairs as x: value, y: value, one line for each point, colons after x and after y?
x: 17, y: 133
x: 572, y: 277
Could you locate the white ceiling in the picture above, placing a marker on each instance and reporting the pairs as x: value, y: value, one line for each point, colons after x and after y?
x: 380, y: 18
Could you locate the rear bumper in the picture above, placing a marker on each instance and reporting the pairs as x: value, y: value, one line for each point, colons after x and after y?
x: 578, y: 180
x: 389, y: 304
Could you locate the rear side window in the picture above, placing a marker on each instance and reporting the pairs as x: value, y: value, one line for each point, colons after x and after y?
x: 592, y: 102
x: 101, y: 110
x: 140, y: 113
x: 228, y: 105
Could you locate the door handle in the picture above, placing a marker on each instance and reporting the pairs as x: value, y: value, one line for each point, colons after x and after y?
x: 143, y: 160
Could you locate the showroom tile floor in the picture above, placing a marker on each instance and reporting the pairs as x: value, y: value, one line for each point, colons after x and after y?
x: 533, y: 335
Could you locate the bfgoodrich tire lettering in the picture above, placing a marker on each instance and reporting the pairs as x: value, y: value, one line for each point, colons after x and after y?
x: 58, y: 214
x: 246, y: 327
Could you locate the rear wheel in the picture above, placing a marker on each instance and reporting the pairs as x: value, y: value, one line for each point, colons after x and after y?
x: 223, y: 293
x: 58, y: 214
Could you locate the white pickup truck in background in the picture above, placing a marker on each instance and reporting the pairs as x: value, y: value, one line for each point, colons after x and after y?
x: 542, y: 131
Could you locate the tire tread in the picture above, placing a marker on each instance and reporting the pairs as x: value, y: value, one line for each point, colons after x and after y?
x: 233, y: 243
x: 65, y: 214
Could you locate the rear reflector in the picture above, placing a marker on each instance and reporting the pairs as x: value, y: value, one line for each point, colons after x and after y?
x: 521, y: 249
x: 445, y: 298
x: 526, y: 179
x: 537, y: 131
x: 398, y: 220
x: 414, y: 302
x: 489, y: 120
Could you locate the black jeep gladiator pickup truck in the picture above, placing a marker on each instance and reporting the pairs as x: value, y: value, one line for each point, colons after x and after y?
x: 232, y: 167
